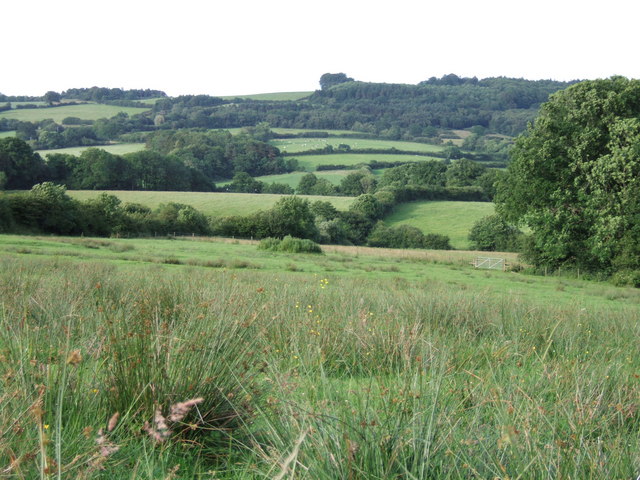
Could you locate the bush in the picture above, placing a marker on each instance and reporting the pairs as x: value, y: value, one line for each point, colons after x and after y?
x: 626, y: 278
x: 436, y: 241
x: 290, y: 244
x: 492, y: 233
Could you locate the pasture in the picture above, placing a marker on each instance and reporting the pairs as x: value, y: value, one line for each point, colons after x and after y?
x: 454, y: 219
x: 10, y: 133
x: 310, y: 162
x: 293, y: 179
x: 115, y: 148
x: 275, y: 96
x: 213, y: 204
x: 295, y: 145
x: 85, y: 111
x: 344, y: 365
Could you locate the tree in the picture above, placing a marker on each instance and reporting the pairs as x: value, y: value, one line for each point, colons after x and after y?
x: 52, y: 97
x: 493, y: 233
x: 22, y: 167
x: 242, y: 182
x: 292, y: 216
x: 328, y: 80
x: 575, y: 176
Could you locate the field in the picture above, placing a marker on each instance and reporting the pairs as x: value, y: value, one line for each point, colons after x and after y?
x: 293, y: 179
x: 277, y: 96
x: 7, y: 134
x: 116, y: 149
x: 454, y: 219
x: 310, y: 162
x: 294, y: 131
x: 295, y: 145
x: 88, y: 111
x: 213, y: 204
x: 194, y: 358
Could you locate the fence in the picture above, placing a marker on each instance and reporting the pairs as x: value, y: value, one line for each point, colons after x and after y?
x: 490, y: 263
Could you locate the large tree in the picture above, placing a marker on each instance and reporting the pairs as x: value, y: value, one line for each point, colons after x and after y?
x: 574, y: 178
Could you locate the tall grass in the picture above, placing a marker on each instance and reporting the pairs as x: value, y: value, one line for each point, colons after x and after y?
x: 306, y: 377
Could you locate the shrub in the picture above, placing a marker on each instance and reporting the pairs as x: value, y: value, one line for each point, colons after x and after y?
x: 626, y: 278
x: 492, y: 233
x: 290, y: 244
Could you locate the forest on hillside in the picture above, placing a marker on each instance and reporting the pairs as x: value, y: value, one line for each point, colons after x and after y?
x: 393, y: 111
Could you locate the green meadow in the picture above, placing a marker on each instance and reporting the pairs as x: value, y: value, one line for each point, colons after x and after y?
x: 85, y: 111
x: 295, y: 145
x: 116, y: 149
x: 11, y: 133
x: 276, y: 96
x: 293, y: 179
x: 454, y: 219
x: 213, y: 204
x: 310, y: 162
x: 197, y: 358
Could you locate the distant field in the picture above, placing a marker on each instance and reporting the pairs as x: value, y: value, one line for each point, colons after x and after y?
x: 294, y: 145
x: 293, y: 179
x: 11, y: 133
x: 88, y: 111
x: 291, y: 131
x: 116, y: 149
x: 150, y: 101
x: 214, y: 204
x: 276, y: 96
x: 37, y: 102
x: 310, y: 162
x: 454, y: 219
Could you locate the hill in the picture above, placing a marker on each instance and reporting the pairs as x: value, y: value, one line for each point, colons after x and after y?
x: 503, y: 105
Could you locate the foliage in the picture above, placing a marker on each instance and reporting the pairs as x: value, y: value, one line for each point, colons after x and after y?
x: 22, y: 167
x: 329, y: 80
x: 289, y: 244
x: 493, y: 233
x: 406, y: 236
x: 575, y: 176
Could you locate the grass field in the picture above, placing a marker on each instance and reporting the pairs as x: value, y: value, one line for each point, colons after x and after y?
x: 276, y: 96
x: 454, y: 219
x: 153, y: 359
x: 310, y: 162
x: 89, y: 111
x: 10, y: 133
x: 116, y: 149
x: 293, y: 179
x: 295, y: 145
x: 213, y: 204
x: 293, y: 131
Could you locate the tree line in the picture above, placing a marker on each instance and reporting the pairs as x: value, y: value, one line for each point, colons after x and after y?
x: 503, y: 105
x: 47, y: 208
x: 180, y: 160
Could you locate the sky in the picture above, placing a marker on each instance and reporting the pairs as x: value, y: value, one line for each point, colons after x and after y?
x: 237, y: 47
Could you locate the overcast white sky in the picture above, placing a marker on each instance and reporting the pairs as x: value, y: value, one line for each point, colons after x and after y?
x: 227, y: 47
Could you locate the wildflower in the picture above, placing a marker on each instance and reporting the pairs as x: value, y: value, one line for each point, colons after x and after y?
x: 46, y: 426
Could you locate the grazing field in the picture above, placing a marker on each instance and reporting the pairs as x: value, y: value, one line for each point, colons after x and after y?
x: 10, y: 133
x: 293, y: 179
x: 276, y: 96
x: 454, y: 219
x: 116, y: 149
x: 87, y: 111
x: 310, y: 162
x: 213, y: 204
x: 295, y: 145
x: 179, y: 358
